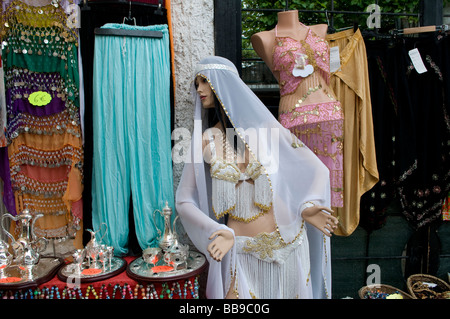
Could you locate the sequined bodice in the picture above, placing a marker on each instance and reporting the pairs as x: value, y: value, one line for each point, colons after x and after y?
x: 220, y: 169
x: 288, y: 54
x: 243, y: 195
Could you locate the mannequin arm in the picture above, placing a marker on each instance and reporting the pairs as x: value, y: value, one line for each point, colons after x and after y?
x: 222, y: 242
x: 321, y: 218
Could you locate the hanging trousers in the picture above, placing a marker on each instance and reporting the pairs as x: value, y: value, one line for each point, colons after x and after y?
x: 131, y: 135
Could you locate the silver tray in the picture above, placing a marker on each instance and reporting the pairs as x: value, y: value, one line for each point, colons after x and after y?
x: 141, y: 271
x: 67, y: 272
x: 33, y: 276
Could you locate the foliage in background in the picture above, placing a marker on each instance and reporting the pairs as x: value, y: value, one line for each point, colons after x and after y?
x: 256, y: 21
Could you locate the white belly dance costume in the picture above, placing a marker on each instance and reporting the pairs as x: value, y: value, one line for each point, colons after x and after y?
x: 266, y: 267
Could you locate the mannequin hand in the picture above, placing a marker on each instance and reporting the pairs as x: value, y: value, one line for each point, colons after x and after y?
x: 323, y: 221
x: 221, y: 244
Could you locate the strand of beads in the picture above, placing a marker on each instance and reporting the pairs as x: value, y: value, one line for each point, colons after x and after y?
x: 72, y: 293
x: 127, y: 288
x: 116, y: 286
x: 175, y: 285
x: 136, y: 292
x: 164, y: 288
x: 88, y: 290
x: 46, y: 293
x: 143, y: 294
x: 169, y: 291
x: 153, y: 293
x: 193, y: 289
x: 103, y: 288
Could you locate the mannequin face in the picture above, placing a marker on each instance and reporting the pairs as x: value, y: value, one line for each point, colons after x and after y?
x: 205, y: 92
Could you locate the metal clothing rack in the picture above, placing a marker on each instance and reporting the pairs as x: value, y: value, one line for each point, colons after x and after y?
x: 330, y: 13
x: 85, y: 4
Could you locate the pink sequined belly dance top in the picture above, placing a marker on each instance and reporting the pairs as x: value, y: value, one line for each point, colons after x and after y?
x: 304, y: 68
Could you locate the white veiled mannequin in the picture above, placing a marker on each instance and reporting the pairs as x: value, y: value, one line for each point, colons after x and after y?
x: 296, y: 175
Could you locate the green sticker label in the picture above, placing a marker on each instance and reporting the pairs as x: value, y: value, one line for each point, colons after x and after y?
x: 39, y: 98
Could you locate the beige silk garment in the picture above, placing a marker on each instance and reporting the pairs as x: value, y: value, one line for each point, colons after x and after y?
x: 351, y: 86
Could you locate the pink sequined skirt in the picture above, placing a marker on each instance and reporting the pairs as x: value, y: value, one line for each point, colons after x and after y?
x: 321, y: 127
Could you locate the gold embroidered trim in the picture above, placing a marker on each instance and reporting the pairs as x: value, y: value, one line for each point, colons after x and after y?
x: 264, y: 210
x: 305, y: 114
x: 262, y: 206
x: 263, y: 244
x: 230, y: 177
x: 296, y: 237
x: 248, y: 220
x: 218, y: 216
x: 333, y: 156
x: 254, y: 170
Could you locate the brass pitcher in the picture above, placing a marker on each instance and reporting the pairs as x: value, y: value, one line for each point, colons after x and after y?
x: 169, y: 237
x: 27, y: 243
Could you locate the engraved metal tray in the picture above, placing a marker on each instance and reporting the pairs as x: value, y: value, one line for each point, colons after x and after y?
x: 42, y: 272
x: 139, y: 270
x: 67, y: 272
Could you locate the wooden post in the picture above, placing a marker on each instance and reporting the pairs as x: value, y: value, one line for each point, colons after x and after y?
x: 228, y: 31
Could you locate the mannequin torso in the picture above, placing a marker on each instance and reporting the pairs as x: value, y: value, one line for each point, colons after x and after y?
x: 288, y: 26
x: 265, y: 42
x: 299, y: 58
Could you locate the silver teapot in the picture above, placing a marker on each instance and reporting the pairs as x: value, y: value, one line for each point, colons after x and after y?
x: 169, y: 237
x: 27, y: 246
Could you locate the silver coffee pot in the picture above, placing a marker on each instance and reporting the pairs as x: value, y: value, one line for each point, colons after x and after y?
x: 27, y: 246
x: 169, y: 237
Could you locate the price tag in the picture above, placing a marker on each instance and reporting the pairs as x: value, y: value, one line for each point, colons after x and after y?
x: 39, y: 98
x: 417, y: 61
x: 335, y: 59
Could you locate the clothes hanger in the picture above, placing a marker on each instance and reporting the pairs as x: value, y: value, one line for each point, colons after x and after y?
x: 355, y: 27
x: 129, y: 15
x: 128, y: 33
x: 85, y: 6
x: 416, y: 30
x: 159, y: 11
x: 331, y: 29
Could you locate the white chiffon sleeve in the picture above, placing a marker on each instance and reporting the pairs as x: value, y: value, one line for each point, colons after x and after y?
x: 195, y: 217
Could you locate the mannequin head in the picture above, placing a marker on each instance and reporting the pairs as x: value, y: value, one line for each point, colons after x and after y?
x: 205, y: 92
x: 210, y: 103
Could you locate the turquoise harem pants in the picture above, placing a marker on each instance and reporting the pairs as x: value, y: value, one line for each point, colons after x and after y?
x: 131, y: 135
